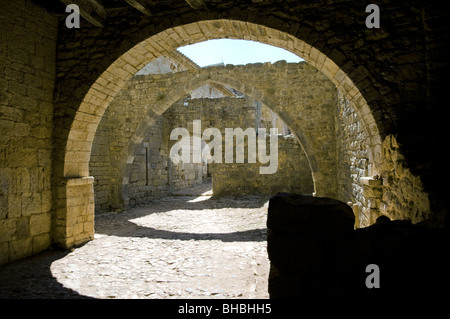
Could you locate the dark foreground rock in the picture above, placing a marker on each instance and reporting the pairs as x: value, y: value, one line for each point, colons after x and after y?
x: 314, y: 250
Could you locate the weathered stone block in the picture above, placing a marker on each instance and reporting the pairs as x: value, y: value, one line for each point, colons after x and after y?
x: 46, y: 201
x: 22, y: 228
x: 8, y: 228
x: 39, y: 224
x: 20, y: 248
x: 30, y: 203
x: 41, y: 242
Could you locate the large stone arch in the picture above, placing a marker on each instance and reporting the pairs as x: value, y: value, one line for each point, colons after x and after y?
x: 73, y: 221
x: 101, y: 93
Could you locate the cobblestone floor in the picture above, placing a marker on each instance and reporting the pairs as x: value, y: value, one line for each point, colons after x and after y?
x: 187, y: 245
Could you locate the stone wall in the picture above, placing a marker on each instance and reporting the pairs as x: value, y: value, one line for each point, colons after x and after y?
x: 394, y: 191
x: 352, y: 152
x: 27, y: 65
x: 153, y: 174
x: 149, y: 176
x: 293, y: 174
x: 403, y: 195
x: 353, y: 159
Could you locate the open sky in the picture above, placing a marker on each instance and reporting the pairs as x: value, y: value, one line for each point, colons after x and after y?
x: 230, y: 51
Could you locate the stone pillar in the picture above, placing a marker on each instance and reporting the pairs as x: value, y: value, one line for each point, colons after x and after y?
x: 74, y: 218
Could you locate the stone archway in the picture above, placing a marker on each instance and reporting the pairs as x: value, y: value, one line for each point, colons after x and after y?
x: 102, y: 92
x: 73, y: 221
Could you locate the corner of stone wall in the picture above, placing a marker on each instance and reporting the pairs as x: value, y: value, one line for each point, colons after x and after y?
x: 403, y: 193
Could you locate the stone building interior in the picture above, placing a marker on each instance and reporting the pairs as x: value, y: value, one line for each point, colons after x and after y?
x: 87, y: 111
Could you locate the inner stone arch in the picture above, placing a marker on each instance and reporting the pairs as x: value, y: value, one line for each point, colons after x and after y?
x: 142, y: 105
x: 227, y: 178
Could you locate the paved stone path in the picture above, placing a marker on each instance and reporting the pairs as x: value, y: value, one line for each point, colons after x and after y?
x: 183, y: 246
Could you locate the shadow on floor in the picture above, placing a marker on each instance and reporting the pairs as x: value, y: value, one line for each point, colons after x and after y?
x: 31, y: 278
x: 259, y: 234
x: 119, y: 224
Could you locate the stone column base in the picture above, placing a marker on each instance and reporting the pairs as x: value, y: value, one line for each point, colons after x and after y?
x: 74, y: 218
